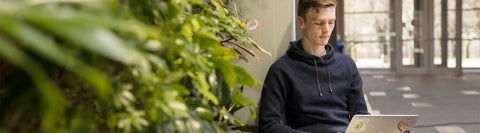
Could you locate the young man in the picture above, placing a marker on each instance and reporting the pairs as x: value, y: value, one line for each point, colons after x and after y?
x: 314, y: 88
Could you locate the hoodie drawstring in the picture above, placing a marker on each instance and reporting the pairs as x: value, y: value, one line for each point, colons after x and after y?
x: 318, y: 81
x: 329, y: 79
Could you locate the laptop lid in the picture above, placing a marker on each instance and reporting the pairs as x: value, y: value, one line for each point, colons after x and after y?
x: 382, y: 124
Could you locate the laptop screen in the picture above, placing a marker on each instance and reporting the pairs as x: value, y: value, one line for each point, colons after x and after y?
x: 382, y: 124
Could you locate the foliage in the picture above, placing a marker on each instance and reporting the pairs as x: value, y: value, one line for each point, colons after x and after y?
x: 121, y: 66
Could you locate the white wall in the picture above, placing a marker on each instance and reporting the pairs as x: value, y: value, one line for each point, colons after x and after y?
x: 273, y: 34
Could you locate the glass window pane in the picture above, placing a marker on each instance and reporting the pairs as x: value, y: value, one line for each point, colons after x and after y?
x: 471, y: 34
x: 368, y: 32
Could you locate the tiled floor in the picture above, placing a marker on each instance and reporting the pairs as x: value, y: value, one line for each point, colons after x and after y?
x: 446, y: 104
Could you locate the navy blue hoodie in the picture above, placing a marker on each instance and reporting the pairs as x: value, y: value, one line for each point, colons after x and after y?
x: 315, y: 94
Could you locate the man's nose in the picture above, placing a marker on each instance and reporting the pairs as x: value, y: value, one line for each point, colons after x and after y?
x: 325, y: 27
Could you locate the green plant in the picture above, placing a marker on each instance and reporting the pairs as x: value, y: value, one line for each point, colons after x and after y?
x: 121, y: 66
x: 233, y: 37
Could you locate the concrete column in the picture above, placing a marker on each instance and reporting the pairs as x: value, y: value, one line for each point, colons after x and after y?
x: 458, y: 38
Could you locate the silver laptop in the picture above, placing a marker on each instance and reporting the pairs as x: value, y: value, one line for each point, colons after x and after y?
x: 382, y: 124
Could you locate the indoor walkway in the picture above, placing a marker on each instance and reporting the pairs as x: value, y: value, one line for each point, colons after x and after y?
x: 446, y: 104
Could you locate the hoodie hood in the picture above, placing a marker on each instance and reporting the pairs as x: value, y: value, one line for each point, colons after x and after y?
x: 297, y: 52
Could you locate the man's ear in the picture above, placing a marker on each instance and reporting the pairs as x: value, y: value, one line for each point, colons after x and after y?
x: 300, y: 22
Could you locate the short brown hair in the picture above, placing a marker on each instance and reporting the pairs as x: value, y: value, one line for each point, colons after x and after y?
x: 305, y: 5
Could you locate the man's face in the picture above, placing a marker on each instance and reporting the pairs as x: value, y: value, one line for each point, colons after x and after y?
x: 318, y: 26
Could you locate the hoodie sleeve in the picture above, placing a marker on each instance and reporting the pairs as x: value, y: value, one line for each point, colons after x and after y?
x: 356, y: 100
x: 274, y: 94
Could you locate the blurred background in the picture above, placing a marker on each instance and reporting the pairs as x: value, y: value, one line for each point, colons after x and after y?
x: 415, y: 56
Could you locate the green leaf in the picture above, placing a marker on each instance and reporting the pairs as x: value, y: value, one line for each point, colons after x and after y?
x: 218, y: 6
x: 201, y: 84
x: 85, y: 34
x: 44, y: 46
x: 187, y: 31
x: 220, y: 88
x: 227, y: 69
x: 225, y: 53
x: 238, y: 121
x: 207, y: 40
x: 253, y: 113
x: 204, y: 113
x: 239, y: 23
x: 194, y: 126
x: 243, y: 77
x: 52, y: 100
x: 239, y: 98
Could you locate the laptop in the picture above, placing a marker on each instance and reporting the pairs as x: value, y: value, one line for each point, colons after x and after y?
x: 382, y: 124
